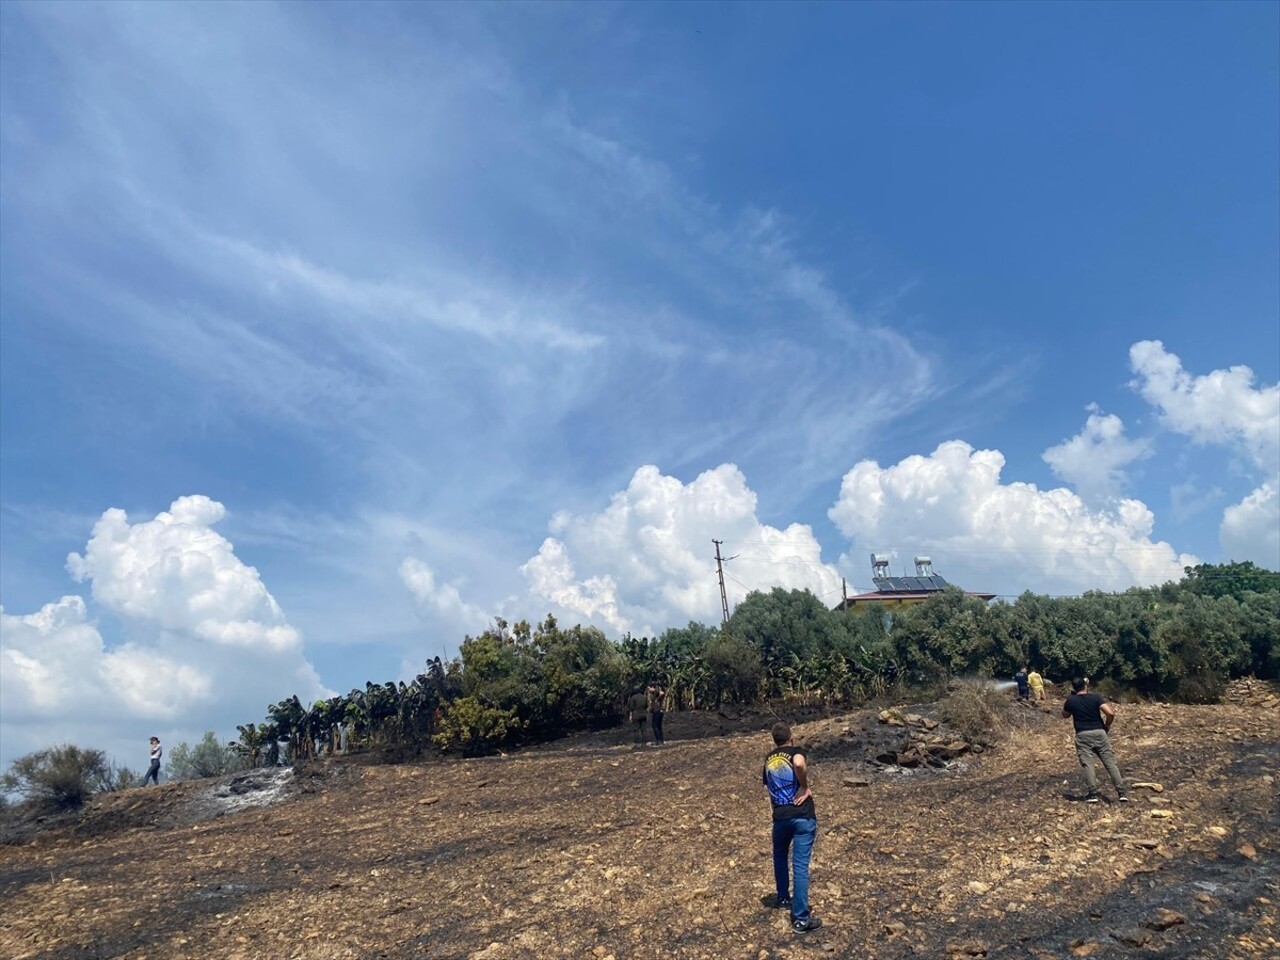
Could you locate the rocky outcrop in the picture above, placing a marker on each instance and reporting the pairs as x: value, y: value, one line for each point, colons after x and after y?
x: 925, y: 742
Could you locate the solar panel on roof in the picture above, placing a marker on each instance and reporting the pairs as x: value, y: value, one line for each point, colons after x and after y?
x: 909, y: 584
x: 891, y: 585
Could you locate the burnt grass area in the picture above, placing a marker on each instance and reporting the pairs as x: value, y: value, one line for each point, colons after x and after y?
x: 591, y: 847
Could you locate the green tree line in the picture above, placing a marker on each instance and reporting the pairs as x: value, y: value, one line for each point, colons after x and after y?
x: 521, y: 683
x: 517, y: 683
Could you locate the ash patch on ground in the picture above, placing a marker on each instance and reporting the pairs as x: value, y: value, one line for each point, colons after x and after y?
x: 243, y: 791
x: 175, y: 804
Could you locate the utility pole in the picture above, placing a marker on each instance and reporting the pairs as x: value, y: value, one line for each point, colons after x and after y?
x: 844, y: 594
x: 724, y: 597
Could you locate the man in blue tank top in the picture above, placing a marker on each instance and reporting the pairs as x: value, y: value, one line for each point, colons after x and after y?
x: 795, y: 825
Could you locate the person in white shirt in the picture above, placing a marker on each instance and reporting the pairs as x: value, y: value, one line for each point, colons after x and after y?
x: 153, y: 772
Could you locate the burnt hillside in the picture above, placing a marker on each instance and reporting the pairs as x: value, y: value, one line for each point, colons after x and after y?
x: 590, y: 848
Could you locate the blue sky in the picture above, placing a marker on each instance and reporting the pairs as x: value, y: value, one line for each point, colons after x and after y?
x: 330, y: 332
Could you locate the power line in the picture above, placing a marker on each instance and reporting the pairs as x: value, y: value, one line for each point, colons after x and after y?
x: 729, y: 576
x: 970, y: 548
x: 812, y: 563
x: 965, y: 549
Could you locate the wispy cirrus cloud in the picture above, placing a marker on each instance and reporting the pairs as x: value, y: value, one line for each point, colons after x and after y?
x: 444, y: 599
x: 481, y: 263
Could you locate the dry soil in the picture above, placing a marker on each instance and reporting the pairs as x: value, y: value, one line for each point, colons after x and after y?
x: 592, y: 848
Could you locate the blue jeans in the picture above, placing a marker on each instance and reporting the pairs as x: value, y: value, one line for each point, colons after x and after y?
x: 796, y: 836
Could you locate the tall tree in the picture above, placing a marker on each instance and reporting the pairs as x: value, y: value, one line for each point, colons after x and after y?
x: 1230, y: 579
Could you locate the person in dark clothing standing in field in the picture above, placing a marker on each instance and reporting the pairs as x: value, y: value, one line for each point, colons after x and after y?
x: 795, y: 826
x: 636, y: 708
x: 656, y: 696
x: 153, y: 771
x: 1024, y: 689
x: 1093, y: 718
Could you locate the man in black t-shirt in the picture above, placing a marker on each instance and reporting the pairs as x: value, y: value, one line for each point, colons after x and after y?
x: 1093, y: 718
x: 795, y: 826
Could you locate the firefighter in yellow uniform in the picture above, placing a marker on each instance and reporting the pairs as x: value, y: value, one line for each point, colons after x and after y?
x: 1036, y: 683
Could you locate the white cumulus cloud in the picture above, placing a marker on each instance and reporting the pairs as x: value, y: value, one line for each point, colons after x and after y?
x: 1251, y: 528
x: 206, y: 645
x: 646, y: 562
x: 1221, y: 407
x: 1094, y: 460
x: 55, y: 662
x: 1002, y: 537
x: 178, y: 573
x: 443, y: 599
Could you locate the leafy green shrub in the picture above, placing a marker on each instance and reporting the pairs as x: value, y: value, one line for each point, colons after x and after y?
x: 208, y: 758
x: 782, y: 624
x: 1230, y: 580
x: 474, y: 728
x: 62, y: 777
x: 582, y: 674
x: 736, y: 671
x: 951, y: 635
x: 1260, y: 615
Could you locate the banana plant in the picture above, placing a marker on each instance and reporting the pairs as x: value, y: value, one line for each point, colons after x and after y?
x: 250, y: 743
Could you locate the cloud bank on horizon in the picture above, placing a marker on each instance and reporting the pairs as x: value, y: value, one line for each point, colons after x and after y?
x: 643, y: 559
x: 332, y: 333
x: 206, y: 640
x: 203, y: 639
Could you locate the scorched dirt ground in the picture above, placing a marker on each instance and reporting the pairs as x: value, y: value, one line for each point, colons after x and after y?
x: 590, y: 848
